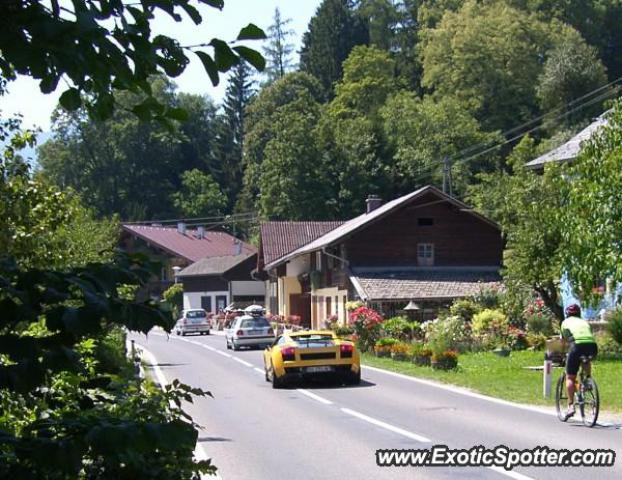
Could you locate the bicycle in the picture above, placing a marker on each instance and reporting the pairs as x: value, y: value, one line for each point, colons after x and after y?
x: 586, y: 395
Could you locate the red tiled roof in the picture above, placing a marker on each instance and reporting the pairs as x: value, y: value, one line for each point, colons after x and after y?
x: 188, y: 245
x: 280, y: 238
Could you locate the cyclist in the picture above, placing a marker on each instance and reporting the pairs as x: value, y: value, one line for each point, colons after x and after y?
x: 578, y: 333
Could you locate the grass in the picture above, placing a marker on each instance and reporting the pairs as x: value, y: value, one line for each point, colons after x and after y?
x: 506, y: 378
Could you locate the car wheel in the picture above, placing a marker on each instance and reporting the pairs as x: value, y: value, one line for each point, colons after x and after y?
x: 276, y: 381
x: 207, y: 333
x: 354, y: 378
x: 236, y: 347
x: 228, y: 345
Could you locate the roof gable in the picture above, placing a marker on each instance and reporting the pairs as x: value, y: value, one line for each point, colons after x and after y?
x: 280, y: 238
x: 214, y: 265
x: 188, y: 245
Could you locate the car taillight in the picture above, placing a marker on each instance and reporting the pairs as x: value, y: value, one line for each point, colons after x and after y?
x: 184, y: 321
x: 346, y: 350
x: 239, y: 333
x: 288, y: 353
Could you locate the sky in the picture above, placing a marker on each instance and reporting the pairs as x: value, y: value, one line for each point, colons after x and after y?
x: 24, y: 96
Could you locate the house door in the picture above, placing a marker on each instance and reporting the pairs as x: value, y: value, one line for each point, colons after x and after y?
x: 300, y: 304
x: 206, y: 303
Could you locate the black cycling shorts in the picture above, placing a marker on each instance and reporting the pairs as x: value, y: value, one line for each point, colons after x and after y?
x: 576, y: 352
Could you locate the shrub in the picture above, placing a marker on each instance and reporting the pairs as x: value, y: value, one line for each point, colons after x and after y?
x: 366, y: 323
x: 538, y: 318
x: 488, y: 298
x: 614, y: 326
x: 516, y: 338
x: 401, y: 327
x: 448, y: 333
x: 607, y: 346
x: 536, y: 341
x: 344, y: 331
x: 110, y: 352
x: 383, y: 346
x: 173, y: 297
x: 490, y: 327
x: 464, y: 308
x: 353, y: 305
x: 446, y: 360
x: 400, y: 350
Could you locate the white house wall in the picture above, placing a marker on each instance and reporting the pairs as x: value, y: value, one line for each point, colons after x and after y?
x: 248, y: 288
x: 193, y: 299
x: 298, y: 266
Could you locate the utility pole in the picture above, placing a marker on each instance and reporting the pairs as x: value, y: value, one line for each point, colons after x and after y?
x: 447, y: 176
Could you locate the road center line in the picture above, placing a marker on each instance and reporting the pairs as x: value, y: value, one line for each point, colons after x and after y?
x: 387, y: 426
x: 258, y: 370
x: 224, y: 354
x: 243, y: 362
x: 314, y: 396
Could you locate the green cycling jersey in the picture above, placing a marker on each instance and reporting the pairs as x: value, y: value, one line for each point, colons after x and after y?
x: 578, y: 330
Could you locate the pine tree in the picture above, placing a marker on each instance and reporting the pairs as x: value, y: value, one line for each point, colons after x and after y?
x: 230, y: 143
x: 279, y: 50
x: 332, y: 33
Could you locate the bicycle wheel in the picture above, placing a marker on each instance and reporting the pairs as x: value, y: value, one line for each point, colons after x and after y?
x: 591, y: 402
x: 561, y: 397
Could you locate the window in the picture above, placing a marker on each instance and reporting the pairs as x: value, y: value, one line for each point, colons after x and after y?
x: 206, y: 303
x: 425, y: 254
x: 425, y: 222
x: 221, y: 302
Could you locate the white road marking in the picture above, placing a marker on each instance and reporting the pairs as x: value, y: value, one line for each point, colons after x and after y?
x: 387, y: 426
x: 199, y: 452
x: 243, y: 362
x: 224, y: 354
x: 258, y: 370
x: 314, y: 396
x: 465, y: 392
x: 510, y: 473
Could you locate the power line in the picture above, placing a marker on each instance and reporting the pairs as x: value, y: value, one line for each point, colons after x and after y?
x: 190, y: 220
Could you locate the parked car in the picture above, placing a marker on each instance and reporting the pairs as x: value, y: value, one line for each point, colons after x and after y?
x: 315, y: 353
x: 249, y: 331
x: 193, y: 321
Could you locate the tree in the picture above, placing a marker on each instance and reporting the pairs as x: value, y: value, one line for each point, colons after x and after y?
x: 593, y: 213
x: 351, y: 134
x: 118, y: 51
x: 424, y: 132
x: 381, y: 17
x: 332, y: 33
x: 231, y: 128
x: 199, y: 196
x: 528, y: 207
x: 279, y: 50
x: 487, y: 55
x: 571, y: 70
x: 260, y: 128
x: 94, y: 158
x: 293, y: 171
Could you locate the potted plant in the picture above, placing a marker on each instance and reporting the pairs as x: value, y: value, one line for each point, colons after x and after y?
x: 400, y: 351
x: 382, y: 347
x: 420, y: 354
x: 446, y: 360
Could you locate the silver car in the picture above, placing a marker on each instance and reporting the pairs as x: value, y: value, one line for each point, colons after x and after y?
x: 249, y: 331
x: 193, y: 321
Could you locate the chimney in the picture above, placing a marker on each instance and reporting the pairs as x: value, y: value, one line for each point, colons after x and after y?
x: 181, y: 228
x: 237, y: 246
x: 373, y: 202
x: 200, y: 231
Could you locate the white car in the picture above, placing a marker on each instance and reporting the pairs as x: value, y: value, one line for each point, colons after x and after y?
x: 193, y: 321
x: 249, y: 331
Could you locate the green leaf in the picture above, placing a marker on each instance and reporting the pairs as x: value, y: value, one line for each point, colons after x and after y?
x: 210, y: 67
x: 223, y: 55
x: 251, y: 56
x: 251, y: 32
x: 177, y: 114
x: 193, y: 13
x: 70, y: 99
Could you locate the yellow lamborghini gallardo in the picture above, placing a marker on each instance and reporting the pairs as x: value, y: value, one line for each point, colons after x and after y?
x: 305, y: 354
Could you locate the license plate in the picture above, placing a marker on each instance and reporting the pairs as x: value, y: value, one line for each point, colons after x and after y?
x: 254, y: 332
x: 318, y: 369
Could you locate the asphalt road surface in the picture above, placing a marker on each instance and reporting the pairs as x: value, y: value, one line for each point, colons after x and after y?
x: 328, y: 431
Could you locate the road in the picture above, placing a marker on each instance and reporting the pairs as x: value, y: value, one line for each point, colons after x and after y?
x: 327, y: 431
